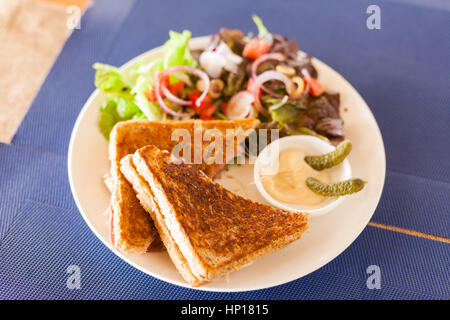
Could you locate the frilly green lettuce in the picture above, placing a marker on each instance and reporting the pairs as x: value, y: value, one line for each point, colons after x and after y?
x: 126, y: 99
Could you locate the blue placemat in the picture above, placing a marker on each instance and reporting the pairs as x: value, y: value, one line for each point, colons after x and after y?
x: 401, y: 70
x: 44, y: 240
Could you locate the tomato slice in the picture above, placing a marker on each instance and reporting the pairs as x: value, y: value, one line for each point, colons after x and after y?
x: 151, y: 96
x: 255, y: 48
x: 223, y: 107
x: 250, y: 84
x: 207, y: 112
x: 177, y: 88
x: 315, y: 87
x: 194, y: 95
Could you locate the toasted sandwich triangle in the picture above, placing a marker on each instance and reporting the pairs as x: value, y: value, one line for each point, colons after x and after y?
x: 132, y: 229
x: 215, y: 230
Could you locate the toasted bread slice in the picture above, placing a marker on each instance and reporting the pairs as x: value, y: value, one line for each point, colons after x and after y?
x: 215, y: 230
x: 146, y: 197
x: 132, y: 229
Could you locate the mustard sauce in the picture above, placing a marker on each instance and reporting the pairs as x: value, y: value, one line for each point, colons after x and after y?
x: 288, y: 184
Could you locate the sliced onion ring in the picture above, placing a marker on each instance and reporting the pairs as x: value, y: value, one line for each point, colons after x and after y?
x: 159, y: 87
x: 265, y: 57
x: 156, y: 84
x: 183, y: 77
x: 262, y: 78
x: 174, y: 98
x: 279, y: 104
x: 196, y: 72
x: 306, y: 76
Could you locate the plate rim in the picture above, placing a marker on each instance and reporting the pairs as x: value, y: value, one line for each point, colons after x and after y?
x: 317, y: 266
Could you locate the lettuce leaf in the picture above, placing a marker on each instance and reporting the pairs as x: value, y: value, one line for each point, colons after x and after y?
x: 262, y: 30
x: 176, y: 52
x: 126, y: 108
x: 286, y: 114
x: 148, y: 68
x: 120, y: 104
x: 109, y: 79
x: 151, y: 110
x: 114, y: 110
x: 108, y: 117
x: 127, y: 100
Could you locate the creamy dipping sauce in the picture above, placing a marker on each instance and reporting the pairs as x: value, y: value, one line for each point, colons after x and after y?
x: 288, y: 184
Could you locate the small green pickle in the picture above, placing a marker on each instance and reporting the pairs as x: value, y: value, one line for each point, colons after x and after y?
x: 341, y: 188
x: 331, y: 159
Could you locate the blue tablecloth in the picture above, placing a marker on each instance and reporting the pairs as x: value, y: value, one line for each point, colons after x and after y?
x: 401, y: 70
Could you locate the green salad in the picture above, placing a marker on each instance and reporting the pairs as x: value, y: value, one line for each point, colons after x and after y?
x: 234, y: 77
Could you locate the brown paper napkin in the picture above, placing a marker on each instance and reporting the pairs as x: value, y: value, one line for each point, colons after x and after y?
x: 32, y: 34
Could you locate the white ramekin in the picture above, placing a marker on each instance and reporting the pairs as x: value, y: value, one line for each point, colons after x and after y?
x: 310, y: 145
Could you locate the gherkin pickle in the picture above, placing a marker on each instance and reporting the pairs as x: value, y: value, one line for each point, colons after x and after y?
x: 331, y: 159
x: 341, y: 188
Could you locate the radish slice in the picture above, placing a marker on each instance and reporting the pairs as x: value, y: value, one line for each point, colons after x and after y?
x: 239, y: 106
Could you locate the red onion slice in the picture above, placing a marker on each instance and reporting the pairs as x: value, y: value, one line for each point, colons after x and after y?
x: 156, y: 84
x: 265, y: 57
x: 270, y: 92
x: 160, y: 87
x: 174, y: 98
x: 279, y: 104
x: 279, y: 57
x: 261, y: 59
x: 264, y: 77
x: 306, y: 75
x: 196, y: 72
x: 183, y: 77
x: 271, y: 75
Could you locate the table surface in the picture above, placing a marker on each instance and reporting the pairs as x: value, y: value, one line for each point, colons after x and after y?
x: 401, y: 71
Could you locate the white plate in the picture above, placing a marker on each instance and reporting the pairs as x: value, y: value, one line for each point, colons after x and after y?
x: 327, y: 236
